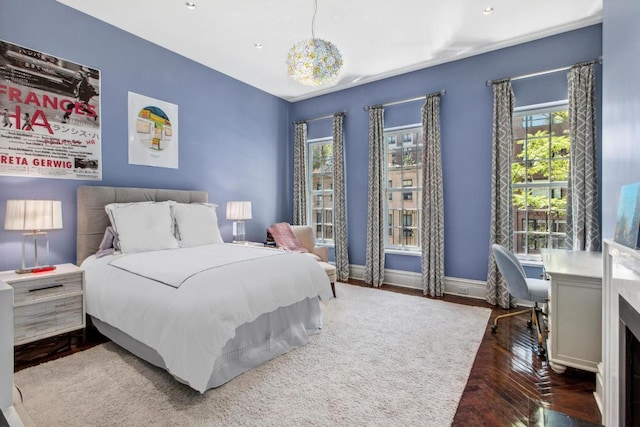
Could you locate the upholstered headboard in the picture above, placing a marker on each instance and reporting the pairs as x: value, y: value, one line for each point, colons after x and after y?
x: 93, y: 220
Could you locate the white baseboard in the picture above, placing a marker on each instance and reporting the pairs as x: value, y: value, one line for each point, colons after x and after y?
x: 413, y: 280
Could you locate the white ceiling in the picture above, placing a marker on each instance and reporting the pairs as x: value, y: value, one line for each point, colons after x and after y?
x: 377, y: 38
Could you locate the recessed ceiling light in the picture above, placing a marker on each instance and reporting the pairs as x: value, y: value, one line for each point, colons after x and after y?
x: 190, y: 5
x: 487, y: 10
x: 257, y: 45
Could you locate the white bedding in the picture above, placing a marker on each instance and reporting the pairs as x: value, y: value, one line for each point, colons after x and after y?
x: 189, y: 325
x: 160, y: 265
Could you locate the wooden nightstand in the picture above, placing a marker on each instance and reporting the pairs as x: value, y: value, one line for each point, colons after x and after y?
x: 48, y: 303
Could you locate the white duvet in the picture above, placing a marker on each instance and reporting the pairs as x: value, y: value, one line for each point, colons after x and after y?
x: 188, y: 314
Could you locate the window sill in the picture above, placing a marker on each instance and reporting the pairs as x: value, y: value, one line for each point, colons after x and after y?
x: 402, y: 252
x: 324, y: 244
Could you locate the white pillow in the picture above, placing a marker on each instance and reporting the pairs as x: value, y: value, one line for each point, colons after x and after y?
x: 143, y: 227
x: 197, y: 224
x: 112, y: 206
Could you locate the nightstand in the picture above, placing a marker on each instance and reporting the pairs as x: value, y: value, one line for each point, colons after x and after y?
x: 46, y: 304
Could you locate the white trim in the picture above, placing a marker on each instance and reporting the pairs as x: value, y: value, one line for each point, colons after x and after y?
x: 403, y: 127
x: 452, y: 285
x: 393, y: 251
x: 410, y: 279
x: 542, y: 106
x: 319, y: 140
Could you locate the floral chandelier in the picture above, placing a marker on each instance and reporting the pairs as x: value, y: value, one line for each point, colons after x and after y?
x: 314, y: 62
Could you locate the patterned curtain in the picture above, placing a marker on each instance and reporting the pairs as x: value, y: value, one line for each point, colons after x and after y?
x: 374, y: 268
x: 432, y: 224
x: 501, y: 230
x: 583, y: 230
x: 339, y: 207
x: 300, y: 174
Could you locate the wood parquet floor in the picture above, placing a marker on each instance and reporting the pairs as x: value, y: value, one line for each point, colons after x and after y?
x: 509, y: 384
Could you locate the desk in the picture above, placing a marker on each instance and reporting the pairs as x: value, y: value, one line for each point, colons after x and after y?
x: 575, y: 309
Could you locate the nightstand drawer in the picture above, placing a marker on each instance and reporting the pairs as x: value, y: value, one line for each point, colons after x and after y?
x: 46, y: 287
x: 47, y: 318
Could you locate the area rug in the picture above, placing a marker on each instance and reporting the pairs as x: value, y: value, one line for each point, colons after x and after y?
x: 383, y: 358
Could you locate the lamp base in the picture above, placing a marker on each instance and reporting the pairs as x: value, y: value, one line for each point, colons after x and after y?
x: 38, y: 269
x: 238, y: 231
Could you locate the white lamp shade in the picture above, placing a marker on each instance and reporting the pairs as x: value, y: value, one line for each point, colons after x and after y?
x: 33, y: 215
x: 239, y: 211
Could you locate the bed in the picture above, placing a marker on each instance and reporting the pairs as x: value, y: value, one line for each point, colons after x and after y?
x: 203, y: 312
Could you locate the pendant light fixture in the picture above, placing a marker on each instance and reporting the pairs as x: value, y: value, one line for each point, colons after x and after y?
x: 314, y: 62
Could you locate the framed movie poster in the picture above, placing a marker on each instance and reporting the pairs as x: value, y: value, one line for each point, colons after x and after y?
x: 628, y: 218
x: 153, y: 132
x: 50, y: 114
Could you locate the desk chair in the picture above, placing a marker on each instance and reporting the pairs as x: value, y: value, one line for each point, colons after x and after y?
x: 521, y: 287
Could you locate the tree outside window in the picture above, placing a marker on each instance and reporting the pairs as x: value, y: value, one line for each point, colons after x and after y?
x: 539, y: 176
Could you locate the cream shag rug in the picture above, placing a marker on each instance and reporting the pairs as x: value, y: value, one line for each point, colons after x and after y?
x: 383, y: 359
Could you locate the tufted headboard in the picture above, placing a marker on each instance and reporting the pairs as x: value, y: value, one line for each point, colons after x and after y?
x: 93, y: 220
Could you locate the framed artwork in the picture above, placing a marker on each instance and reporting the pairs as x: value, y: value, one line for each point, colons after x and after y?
x: 153, y: 132
x: 628, y: 217
x: 50, y: 113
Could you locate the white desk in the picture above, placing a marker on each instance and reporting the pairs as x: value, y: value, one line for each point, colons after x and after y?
x: 575, y: 309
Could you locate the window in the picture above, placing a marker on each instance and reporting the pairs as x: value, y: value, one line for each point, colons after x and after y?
x: 404, y: 167
x: 321, y: 188
x: 407, y: 138
x: 539, y: 177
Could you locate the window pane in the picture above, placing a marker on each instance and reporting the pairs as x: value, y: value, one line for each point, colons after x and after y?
x: 560, y: 170
x: 539, y: 174
x: 320, y: 190
x: 518, y: 172
x: 404, y: 174
x: 328, y: 232
x: 327, y: 182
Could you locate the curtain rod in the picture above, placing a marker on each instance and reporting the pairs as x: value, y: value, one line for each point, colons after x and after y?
x: 388, y: 104
x: 542, y: 73
x: 328, y: 116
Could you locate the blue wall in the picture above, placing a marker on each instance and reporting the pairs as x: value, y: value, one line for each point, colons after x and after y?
x: 466, y: 116
x: 620, y: 103
x: 233, y: 137
x: 235, y: 140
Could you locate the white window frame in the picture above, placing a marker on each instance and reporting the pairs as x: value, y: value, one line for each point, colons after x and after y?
x: 400, y: 189
x: 313, y: 194
x: 529, y: 110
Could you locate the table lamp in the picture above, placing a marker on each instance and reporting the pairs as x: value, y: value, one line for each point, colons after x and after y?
x: 238, y: 211
x: 33, y: 216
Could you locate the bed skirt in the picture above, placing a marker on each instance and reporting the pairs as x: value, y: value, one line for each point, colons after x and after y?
x: 270, y: 335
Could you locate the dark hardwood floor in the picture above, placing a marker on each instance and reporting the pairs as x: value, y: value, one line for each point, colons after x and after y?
x: 509, y: 384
